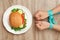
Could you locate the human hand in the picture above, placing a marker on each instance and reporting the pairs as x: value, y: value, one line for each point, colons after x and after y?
x: 42, y: 25
x: 41, y: 15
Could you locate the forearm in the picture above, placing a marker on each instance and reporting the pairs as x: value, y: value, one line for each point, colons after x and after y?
x: 56, y: 9
x: 56, y: 27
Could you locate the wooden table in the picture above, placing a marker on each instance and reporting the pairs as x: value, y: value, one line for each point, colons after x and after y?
x: 33, y: 33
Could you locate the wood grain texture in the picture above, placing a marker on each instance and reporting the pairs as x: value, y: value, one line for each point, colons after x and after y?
x: 33, y: 33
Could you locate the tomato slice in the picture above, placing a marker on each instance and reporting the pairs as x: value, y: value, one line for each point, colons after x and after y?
x: 22, y: 15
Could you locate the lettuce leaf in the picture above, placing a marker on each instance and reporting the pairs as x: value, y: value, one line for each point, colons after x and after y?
x: 17, y: 29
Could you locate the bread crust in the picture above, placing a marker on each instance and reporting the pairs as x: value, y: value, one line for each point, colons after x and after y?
x: 15, y: 19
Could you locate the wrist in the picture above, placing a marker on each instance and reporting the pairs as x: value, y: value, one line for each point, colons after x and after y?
x: 51, y: 26
x: 56, y: 26
x: 56, y: 9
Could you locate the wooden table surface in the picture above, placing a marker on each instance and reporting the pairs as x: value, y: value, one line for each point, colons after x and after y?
x: 33, y: 33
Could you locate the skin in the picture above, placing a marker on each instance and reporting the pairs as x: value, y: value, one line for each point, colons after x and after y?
x: 42, y: 25
x: 56, y: 27
x: 39, y: 15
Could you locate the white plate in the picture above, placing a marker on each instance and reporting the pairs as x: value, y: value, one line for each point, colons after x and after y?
x: 6, y: 19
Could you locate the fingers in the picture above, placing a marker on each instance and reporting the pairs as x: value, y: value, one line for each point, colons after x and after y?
x: 38, y: 22
x: 37, y: 15
x: 42, y: 25
x: 38, y: 25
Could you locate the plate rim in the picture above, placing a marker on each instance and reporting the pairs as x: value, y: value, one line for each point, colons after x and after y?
x: 22, y: 6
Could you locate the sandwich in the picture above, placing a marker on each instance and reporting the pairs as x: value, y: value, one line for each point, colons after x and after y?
x: 17, y: 19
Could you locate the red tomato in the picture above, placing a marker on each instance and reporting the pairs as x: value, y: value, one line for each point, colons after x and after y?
x: 22, y: 15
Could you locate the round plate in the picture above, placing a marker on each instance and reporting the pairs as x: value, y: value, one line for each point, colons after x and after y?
x: 28, y: 16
